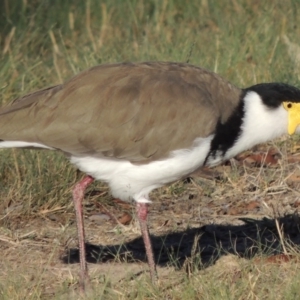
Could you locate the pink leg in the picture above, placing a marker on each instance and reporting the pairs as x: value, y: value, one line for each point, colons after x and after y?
x: 142, y: 212
x: 78, y: 194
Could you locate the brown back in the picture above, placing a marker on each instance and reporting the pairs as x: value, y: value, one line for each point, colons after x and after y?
x: 136, y: 111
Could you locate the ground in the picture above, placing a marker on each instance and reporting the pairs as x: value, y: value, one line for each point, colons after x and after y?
x: 244, y: 210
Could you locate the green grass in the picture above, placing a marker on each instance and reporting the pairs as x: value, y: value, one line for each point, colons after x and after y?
x: 43, y: 43
x: 52, y: 41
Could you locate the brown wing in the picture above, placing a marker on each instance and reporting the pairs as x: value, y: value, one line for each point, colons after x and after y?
x: 136, y: 111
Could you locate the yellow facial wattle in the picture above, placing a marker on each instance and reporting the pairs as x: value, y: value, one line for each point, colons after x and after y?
x: 293, y: 115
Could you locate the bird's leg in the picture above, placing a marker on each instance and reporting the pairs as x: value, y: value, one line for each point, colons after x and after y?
x: 78, y: 194
x: 142, y: 212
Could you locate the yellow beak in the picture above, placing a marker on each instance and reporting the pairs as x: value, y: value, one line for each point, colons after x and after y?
x: 293, y: 116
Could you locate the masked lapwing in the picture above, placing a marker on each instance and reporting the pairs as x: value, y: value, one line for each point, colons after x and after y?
x: 139, y: 126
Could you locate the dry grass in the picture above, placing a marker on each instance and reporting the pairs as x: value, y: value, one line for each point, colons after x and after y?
x: 45, y: 42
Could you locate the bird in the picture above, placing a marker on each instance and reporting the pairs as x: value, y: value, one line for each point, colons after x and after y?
x: 140, y: 125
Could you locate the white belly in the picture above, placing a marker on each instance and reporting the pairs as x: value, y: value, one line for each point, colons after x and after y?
x: 135, y: 181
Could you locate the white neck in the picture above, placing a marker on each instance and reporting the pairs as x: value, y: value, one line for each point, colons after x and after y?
x: 260, y: 124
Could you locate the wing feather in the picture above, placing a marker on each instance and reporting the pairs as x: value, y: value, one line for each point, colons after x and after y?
x: 137, y: 112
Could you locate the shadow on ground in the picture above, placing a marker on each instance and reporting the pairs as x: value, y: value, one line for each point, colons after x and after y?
x: 210, y: 241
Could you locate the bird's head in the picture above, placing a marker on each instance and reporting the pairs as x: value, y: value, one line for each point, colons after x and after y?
x: 278, y: 95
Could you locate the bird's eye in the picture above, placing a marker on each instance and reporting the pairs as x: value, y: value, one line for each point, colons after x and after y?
x: 289, y: 105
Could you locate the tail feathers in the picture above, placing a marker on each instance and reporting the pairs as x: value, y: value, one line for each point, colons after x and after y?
x: 30, y: 99
x: 21, y: 144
